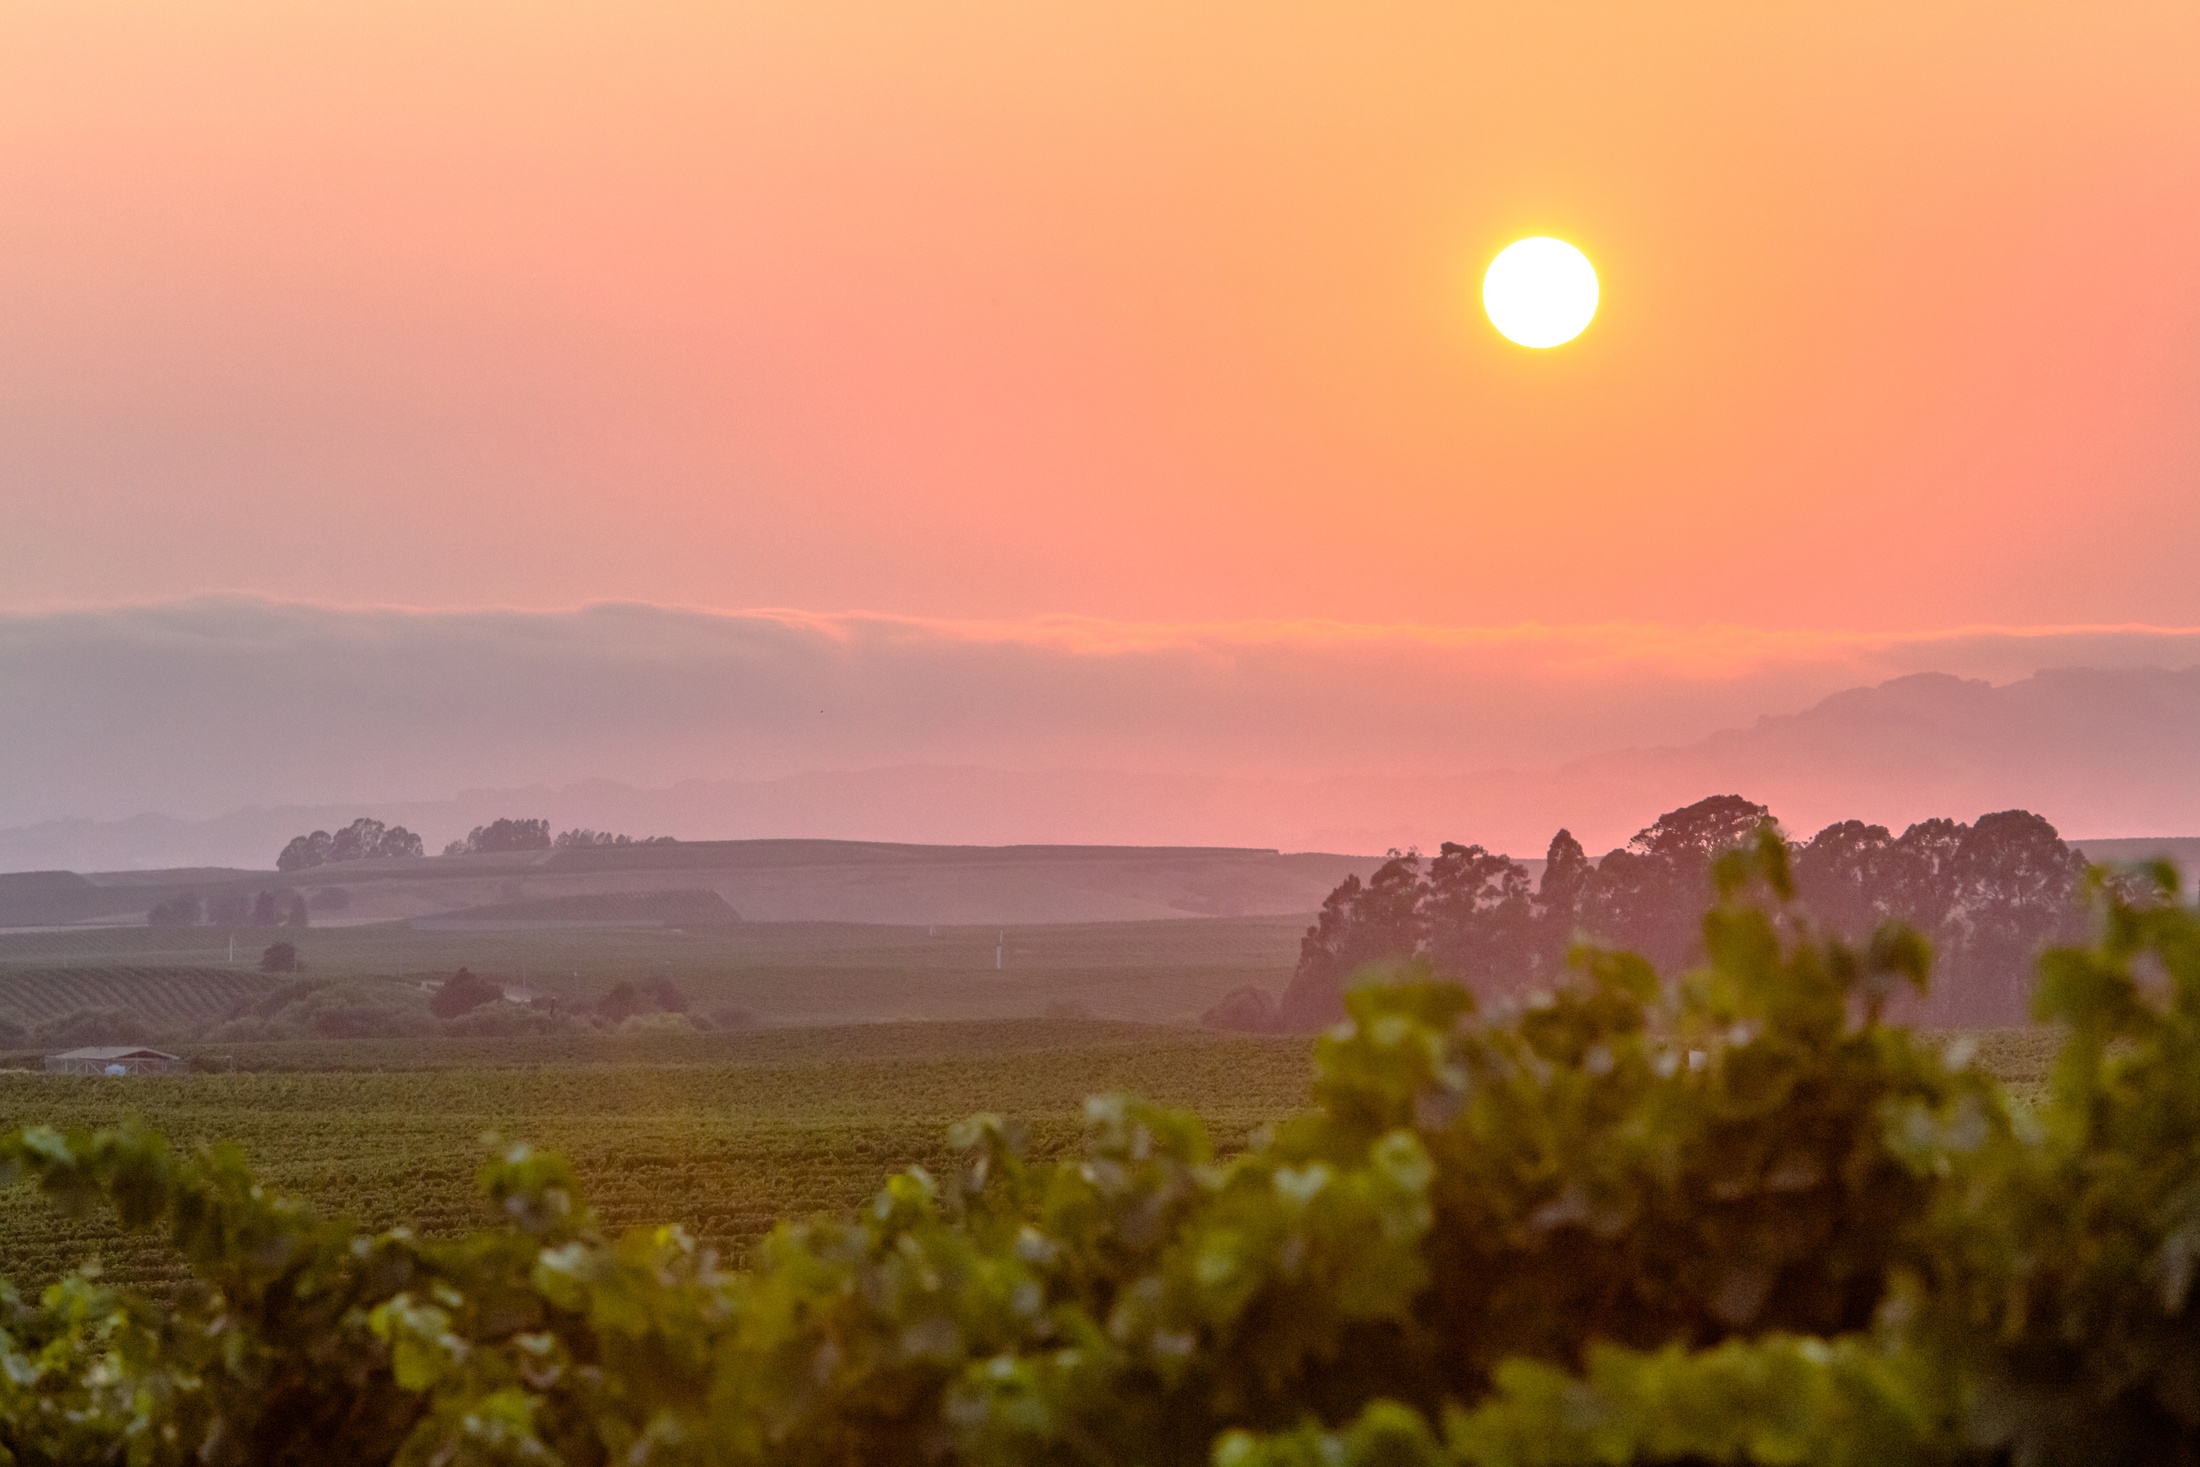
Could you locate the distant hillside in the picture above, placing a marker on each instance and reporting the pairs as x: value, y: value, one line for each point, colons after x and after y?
x: 51, y: 898
x: 711, y: 882
x: 2099, y: 753
x: 180, y: 996
x: 691, y: 908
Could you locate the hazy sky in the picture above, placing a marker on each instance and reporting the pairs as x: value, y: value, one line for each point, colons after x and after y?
x: 1148, y: 311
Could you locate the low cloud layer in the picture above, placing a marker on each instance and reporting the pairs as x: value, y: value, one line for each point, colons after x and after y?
x: 199, y: 708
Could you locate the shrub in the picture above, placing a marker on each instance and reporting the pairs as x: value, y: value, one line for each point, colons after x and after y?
x: 657, y: 1023
x: 281, y: 957
x: 1249, y: 1010
x: 626, y: 999
x: 181, y: 911
x: 623, y: 1002
x: 464, y: 991
x: 325, y: 1010
x: 507, y: 1021
x: 95, y: 1026
x: 1734, y: 1217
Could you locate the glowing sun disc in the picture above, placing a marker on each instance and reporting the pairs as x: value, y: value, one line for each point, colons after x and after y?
x: 1540, y: 292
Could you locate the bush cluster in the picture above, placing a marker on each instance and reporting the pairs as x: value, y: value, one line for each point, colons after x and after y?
x: 320, y: 1008
x: 1733, y: 1217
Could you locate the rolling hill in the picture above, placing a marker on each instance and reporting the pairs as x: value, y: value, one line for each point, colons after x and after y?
x: 710, y: 882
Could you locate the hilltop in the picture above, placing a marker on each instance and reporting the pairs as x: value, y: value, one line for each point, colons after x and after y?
x: 713, y: 882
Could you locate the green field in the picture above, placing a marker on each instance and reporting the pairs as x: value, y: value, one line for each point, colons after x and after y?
x: 787, y: 973
x: 721, y: 1133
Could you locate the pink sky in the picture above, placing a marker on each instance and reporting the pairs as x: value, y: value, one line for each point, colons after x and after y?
x: 1141, y: 311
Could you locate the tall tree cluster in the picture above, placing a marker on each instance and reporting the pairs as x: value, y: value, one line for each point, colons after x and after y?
x: 362, y: 840
x: 504, y: 834
x: 1989, y: 895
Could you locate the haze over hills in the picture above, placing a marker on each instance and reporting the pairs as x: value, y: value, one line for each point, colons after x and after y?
x: 2100, y: 752
x: 707, y: 884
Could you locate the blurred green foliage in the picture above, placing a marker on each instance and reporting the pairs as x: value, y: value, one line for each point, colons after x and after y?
x: 1732, y: 1217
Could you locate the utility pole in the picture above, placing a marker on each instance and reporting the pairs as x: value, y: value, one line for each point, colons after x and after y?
x: 1000, y: 944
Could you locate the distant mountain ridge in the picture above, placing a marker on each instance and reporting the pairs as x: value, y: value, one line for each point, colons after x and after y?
x: 2099, y: 752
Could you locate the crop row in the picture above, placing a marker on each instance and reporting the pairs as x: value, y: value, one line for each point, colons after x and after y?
x: 161, y: 994
x: 722, y: 1149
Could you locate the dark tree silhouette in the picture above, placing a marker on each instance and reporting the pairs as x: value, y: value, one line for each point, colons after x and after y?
x: 364, y: 839
x: 1695, y: 833
x: 1990, y: 896
x: 184, y: 910
x: 623, y: 1002
x: 1924, y: 890
x: 1360, y: 926
x: 462, y: 993
x: 1567, y: 872
x: 1247, y: 1010
x: 1647, y: 895
x: 1852, y: 875
x: 281, y: 957
x: 304, y: 852
x: 2014, y: 885
x: 502, y: 835
x: 1479, y: 918
x: 582, y: 836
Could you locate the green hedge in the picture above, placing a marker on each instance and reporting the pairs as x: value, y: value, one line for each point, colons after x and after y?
x: 1729, y: 1218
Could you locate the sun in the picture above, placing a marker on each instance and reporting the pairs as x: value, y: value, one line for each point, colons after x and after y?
x: 1540, y: 292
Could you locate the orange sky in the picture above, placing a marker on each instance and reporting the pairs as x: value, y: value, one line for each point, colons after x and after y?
x: 1139, y: 310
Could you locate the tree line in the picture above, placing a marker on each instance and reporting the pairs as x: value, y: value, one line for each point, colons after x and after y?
x: 1988, y: 895
x: 367, y: 839
x: 507, y: 834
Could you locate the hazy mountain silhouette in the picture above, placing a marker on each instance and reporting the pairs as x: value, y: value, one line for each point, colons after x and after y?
x: 2098, y: 752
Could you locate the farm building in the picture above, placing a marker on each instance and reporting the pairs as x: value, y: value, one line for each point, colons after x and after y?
x: 112, y: 1059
